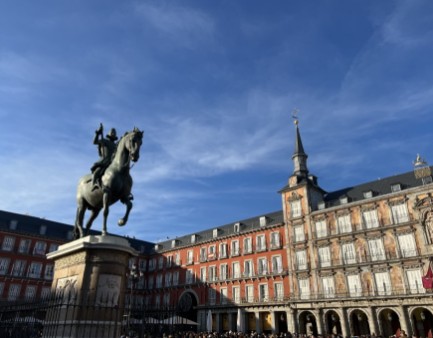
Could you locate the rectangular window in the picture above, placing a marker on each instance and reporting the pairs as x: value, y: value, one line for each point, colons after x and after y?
x: 53, y: 247
x: 275, y: 240
x: 278, y: 291
x: 203, y: 254
x: 383, y: 283
x: 377, y: 251
x: 8, y: 243
x: 321, y: 229
x: 354, y: 285
x: 304, y: 288
x: 189, y: 276
x: 223, y: 272
x: 40, y: 248
x: 328, y: 287
x: 248, y: 268
x: 203, y: 274
x: 236, y: 270
x: 344, y: 224
x: 24, y: 247
x: 277, y: 264
x: 414, y: 278
x: 168, y: 279
x: 349, y: 255
x: 14, y: 292
x: 223, y: 295
x: 223, y: 250
x: 407, y: 245
x: 177, y: 259
x: 4, y: 266
x: 18, y: 268
x: 212, y: 296
x: 301, y: 259
x: 262, y: 266
x: 150, y: 282
x: 212, y: 252
x: 169, y: 261
x: 30, y: 292
x: 235, y: 248
x: 166, y: 300
x: 160, y: 263
x: 176, y: 278
x: 295, y: 209
x: 35, y: 270
x: 49, y: 271
x: 212, y: 273
x: 46, y: 292
x: 2, y: 286
x: 190, y: 257
x: 399, y: 213
x: 158, y: 280
x: 370, y: 219
x: 263, y: 293
x: 236, y: 294
x: 152, y: 264
x: 248, y: 248
x: 261, y: 243
x: 249, y: 293
x: 299, y: 233
x: 325, y: 256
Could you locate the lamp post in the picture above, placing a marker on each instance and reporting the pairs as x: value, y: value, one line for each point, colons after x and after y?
x: 134, y: 274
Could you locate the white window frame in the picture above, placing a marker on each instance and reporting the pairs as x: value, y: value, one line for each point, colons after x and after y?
x: 344, y: 223
x: 223, y: 250
x: 324, y: 253
x: 223, y: 296
x: 383, y: 283
x: 263, y: 292
x: 249, y: 293
x: 4, y: 265
x: 414, y: 277
x: 399, y: 213
x: 275, y: 240
x: 234, y: 245
x: 370, y: 218
x: 376, y: 249
x: 407, y: 245
x: 277, y: 264
x: 295, y: 208
x: 248, y: 268
x: 301, y: 259
x: 304, y: 288
x: 354, y: 285
x: 24, y: 247
x: 328, y: 286
x: 236, y: 270
x: 236, y: 294
x: 248, y: 245
x: 262, y: 266
x: 321, y: 228
x: 260, y: 242
x: 223, y: 272
x: 8, y: 243
x: 349, y: 253
x: 278, y: 291
x: 299, y: 233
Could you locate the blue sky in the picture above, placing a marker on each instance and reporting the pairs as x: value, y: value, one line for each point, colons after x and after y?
x: 213, y: 85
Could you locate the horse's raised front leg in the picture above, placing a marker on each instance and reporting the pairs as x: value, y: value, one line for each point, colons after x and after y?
x: 106, y: 206
x: 128, y: 203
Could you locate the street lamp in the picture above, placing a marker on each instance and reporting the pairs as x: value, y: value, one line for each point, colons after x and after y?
x: 134, y: 275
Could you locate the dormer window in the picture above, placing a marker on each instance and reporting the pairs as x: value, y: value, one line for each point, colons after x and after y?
x: 237, y: 227
x: 344, y: 200
x: 13, y: 224
x: 174, y: 242
x: 194, y: 238
x: 321, y: 205
x: 368, y: 194
x: 42, y: 229
x: 158, y: 247
x: 263, y: 221
x: 215, y: 233
x: 395, y: 187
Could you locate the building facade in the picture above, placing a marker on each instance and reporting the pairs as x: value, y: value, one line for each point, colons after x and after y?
x: 349, y: 262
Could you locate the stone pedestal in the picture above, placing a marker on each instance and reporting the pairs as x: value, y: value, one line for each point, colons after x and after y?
x: 89, y: 285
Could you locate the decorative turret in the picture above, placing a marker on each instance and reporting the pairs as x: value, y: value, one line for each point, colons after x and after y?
x: 299, y: 156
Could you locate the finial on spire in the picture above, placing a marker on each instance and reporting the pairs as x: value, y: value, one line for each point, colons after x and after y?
x: 295, y: 116
x: 419, y: 161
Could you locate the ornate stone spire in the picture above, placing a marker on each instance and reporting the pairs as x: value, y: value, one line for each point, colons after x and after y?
x: 299, y: 156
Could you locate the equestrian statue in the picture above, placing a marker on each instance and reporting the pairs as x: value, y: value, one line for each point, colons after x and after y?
x: 110, y: 180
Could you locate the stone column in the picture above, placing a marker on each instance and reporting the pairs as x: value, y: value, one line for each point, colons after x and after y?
x: 274, y: 325
x: 258, y: 326
x: 318, y: 321
x: 291, y: 321
x: 372, y: 320
x: 403, y: 320
x: 89, y: 286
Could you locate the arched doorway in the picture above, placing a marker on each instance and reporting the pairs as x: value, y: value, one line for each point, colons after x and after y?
x: 307, y: 324
x: 389, y: 322
x: 359, y: 323
x: 187, y: 306
x: 422, y: 321
x: 333, y: 325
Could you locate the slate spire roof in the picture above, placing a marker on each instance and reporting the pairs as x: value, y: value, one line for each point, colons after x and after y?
x: 299, y: 156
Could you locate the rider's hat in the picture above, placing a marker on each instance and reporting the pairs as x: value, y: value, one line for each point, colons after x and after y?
x: 112, y: 134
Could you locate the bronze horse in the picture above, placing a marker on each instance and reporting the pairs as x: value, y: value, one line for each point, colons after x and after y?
x: 116, y: 185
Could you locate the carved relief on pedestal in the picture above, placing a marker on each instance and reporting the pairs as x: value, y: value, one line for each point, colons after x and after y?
x: 112, y: 257
x: 66, y: 288
x: 108, y: 290
x: 67, y: 261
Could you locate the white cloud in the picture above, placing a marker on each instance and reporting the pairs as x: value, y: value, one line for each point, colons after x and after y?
x: 184, y: 26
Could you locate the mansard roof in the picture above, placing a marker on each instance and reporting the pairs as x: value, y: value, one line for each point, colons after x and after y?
x: 381, y: 186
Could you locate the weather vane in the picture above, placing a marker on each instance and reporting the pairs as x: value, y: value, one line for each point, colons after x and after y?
x: 295, y: 116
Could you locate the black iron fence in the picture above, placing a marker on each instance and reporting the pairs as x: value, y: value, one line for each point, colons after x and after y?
x: 55, y: 317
